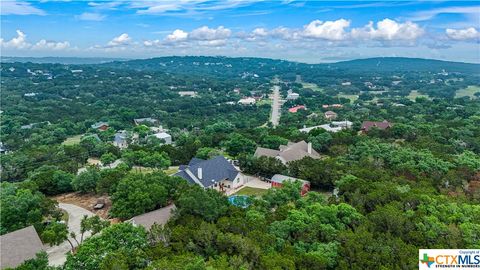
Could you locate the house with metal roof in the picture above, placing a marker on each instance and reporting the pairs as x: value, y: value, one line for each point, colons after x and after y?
x: 102, y: 126
x: 217, y: 173
x: 290, y: 152
x: 19, y: 246
x: 148, y: 120
x: 334, y: 126
x: 162, y: 135
x: 278, y: 179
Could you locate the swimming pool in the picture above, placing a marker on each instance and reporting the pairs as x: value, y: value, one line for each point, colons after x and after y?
x: 242, y: 201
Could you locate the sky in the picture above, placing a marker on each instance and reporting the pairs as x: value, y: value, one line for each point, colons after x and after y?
x: 304, y: 31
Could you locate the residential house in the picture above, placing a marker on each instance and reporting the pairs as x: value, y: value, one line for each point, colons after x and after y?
x: 296, y: 108
x: 160, y: 217
x: 334, y: 126
x: 367, y: 125
x: 38, y: 124
x: 278, y: 179
x: 289, y: 152
x: 329, y: 115
x: 217, y: 173
x: 187, y: 93
x: 147, y: 120
x: 19, y: 246
x: 292, y: 96
x: 120, y: 139
x: 247, y: 101
x: 167, y: 138
x: 102, y: 126
x: 335, y: 106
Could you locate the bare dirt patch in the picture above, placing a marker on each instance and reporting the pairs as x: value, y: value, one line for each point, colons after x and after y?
x: 86, y: 201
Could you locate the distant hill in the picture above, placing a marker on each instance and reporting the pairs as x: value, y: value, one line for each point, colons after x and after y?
x: 391, y: 64
x: 229, y: 66
x: 260, y: 65
x: 60, y: 60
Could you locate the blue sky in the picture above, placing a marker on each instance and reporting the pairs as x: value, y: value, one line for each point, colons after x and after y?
x: 306, y: 31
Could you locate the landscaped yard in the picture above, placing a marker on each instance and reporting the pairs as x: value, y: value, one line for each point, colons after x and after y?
x: 249, y: 191
x: 264, y: 101
x: 171, y: 170
x: 351, y: 97
x: 72, y: 140
x: 312, y: 86
x: 414, y: 94
x: 468, y: 92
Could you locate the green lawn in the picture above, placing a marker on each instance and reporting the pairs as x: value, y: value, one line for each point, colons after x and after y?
x: 171, y: 170
x: 249, y: 191
x: 144, y: 170
x: 468, y: 92
x: 264, y: 101
x: 312, y: 86
x: 72, y: 140
x: 351, y: 97
x: 414, y: 94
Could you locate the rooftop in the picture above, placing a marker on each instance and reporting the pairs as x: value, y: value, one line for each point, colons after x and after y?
x: 159, y: 216
x: 208, y: 172
x: 19, y: 246
x: 289, y: 152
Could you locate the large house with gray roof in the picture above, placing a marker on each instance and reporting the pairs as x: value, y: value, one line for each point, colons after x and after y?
x: 217, y: 173
x: 290, y: 152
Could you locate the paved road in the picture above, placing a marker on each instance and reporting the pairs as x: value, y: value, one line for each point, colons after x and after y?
x: 57, y: 254
x: 275, y: 116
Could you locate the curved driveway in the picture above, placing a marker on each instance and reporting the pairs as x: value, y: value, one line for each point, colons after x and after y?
x: 57, y: 254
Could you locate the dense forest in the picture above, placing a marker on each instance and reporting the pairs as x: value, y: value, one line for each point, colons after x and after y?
x: 377, y: 196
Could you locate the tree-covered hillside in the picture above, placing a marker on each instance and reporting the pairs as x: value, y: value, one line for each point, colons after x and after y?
x: 403, y: 175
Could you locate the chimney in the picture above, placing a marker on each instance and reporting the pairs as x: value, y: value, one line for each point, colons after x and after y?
x: 199, y: 173
x: 309, y: 148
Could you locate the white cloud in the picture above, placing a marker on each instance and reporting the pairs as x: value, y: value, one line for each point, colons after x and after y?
x: 284, y: 33
x: 121, y: 40
x: 261, y: 32
x: 463, y: 34
x: 329, y: 30
x: 429, y: 14
x: 19, y: 42
x: 88, y: 16
x: 203, y: 36
x: 388, y: 30
x: 213, y: 43
x: 205, y: 33
x: 19, y: 8
x: 177, y: 35
x: 51, y: 45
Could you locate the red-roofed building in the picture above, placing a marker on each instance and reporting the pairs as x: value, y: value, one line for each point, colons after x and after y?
x: 296, y: 108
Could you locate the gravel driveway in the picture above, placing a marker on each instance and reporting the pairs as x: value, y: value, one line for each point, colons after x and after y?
x: 57, y: 254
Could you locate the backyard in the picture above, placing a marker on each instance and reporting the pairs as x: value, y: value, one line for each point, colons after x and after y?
x: 250, y: 191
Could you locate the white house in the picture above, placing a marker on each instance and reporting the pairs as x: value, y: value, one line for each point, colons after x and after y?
x: 247, y: 101
x: 163, y: 136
